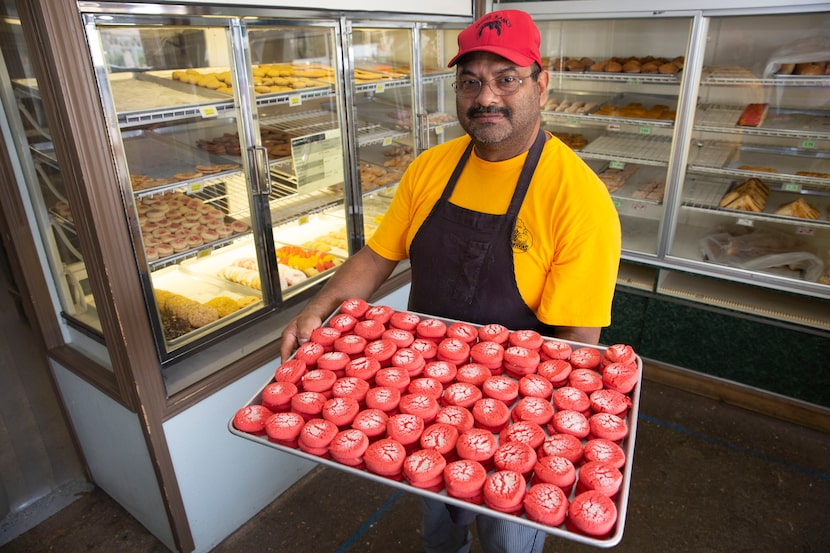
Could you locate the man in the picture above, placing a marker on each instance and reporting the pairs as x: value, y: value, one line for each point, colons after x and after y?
x: 505, y: 226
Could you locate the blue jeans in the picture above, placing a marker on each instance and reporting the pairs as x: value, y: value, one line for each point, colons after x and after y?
x: 441, y: 534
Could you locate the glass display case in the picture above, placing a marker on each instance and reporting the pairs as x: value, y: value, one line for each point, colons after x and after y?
x: 613, y: 98
x: 52, y: 207
x: 229, y: 142
x: 755, y: 196
x: 710, y: 130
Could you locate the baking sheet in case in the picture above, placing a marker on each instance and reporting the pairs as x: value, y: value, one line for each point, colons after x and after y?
x: 620, y: 501
x: 143, y: 91
x: 152, y: 155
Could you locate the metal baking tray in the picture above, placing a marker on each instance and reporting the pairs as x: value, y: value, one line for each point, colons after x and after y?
x: 152, y: 154
x: 142, y: 91
x: 621, y: 499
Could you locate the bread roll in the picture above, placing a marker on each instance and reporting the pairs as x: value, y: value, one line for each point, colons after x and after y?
x: 809, y: 69
x: 631, y: 66
x: 786, y: 69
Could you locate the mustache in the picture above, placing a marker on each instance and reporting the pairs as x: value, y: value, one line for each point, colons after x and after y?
x: 477, y: 110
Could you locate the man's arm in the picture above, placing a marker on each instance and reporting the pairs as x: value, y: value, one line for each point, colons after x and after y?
x: 586, y: 334
x: 358, y: 277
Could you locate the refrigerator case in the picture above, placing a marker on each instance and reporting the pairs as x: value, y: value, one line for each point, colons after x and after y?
x: 226, y: 149
x: 756, y: 191
x: 665, y: 108
x: 613, y: 99
x: 240, y: 143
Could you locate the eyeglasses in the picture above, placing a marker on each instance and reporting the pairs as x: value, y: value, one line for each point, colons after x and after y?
x: 500, y: 86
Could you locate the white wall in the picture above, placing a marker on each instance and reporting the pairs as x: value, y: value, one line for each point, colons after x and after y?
x: 115, y: 451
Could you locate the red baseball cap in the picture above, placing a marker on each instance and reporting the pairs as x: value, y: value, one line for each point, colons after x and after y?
x: 511, y: 34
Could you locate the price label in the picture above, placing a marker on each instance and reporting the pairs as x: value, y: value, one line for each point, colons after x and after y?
x: 791, y: 187
x: 808, y: 144
x: 745, y: 222
x: 616, y: 165
x: 195, y: 187
x: 573, y: 121
x: 804, y: 231
x: 295, y: 100
x: 303, y: 220
x: 204, y: 253
x: 645, y: 130
x: 439, y: 130
x: 387, y: 141
x: 380, y: 87
x: 208, y: 111
x: 613, y: 127
x: 635, y: 81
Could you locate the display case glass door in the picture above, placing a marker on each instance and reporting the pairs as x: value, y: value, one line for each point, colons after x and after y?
x: 227, y: 131
x: 613, y: 98
x: 37, y: 163
x: 756, y: 193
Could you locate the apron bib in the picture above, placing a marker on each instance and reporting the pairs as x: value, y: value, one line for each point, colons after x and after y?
x: 462, y: 260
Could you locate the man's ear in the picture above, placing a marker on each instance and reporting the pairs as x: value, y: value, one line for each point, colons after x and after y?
x: 542, y: 82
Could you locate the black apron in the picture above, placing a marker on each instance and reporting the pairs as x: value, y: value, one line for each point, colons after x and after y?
x: 462, y: 260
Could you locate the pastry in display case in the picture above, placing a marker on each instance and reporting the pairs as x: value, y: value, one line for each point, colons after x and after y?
x: 756, y: 194
x: 613, y: 98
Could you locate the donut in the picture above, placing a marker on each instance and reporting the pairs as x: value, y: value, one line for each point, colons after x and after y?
x: 364, y: 368
x: 385, y: 457
x: 348, y: 446
x: 424, y: 469
x: 599, y: 476
x: 600, y: 449
x: 409, y: 360
x: 557, y: 470
x: 426, y: 385
x: 570, y: 422
x: 442, y: 371
x: 527, y: 432
x: 349, y: 386
x: 404, y: 320
x: 441, y: 437
x: 564, y: 445
x: 591, y: 513
x: 276, y: 396
x: 477, y: 444
x: 383, y: 398
x: 316, y: 435
x: 546, y: 504
x: 504, y: 491
x: 406, y: 429
x: 491, y: 414
x: 464, y: 478
x: 488, y: 353
x: 462, y: 394
x: 421, y: 405
x: 308, y: 405
x: 284, y: 428
x: 251, y: 419
x: 372, y: 422
x: 319, y: 380
x: 515, y: 456
x: 474, y: 373
x: 353, y: 346
x: 340, y: 410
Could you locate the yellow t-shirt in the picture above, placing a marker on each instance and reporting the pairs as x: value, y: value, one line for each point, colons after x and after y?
x: 566, y: 248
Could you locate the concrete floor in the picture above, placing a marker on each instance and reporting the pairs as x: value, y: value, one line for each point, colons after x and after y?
x: 707, y: 477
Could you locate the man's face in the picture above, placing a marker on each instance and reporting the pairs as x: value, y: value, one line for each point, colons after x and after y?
x: 508, y: 121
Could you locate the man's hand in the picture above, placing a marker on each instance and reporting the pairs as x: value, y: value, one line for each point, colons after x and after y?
x: 298, y: 332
